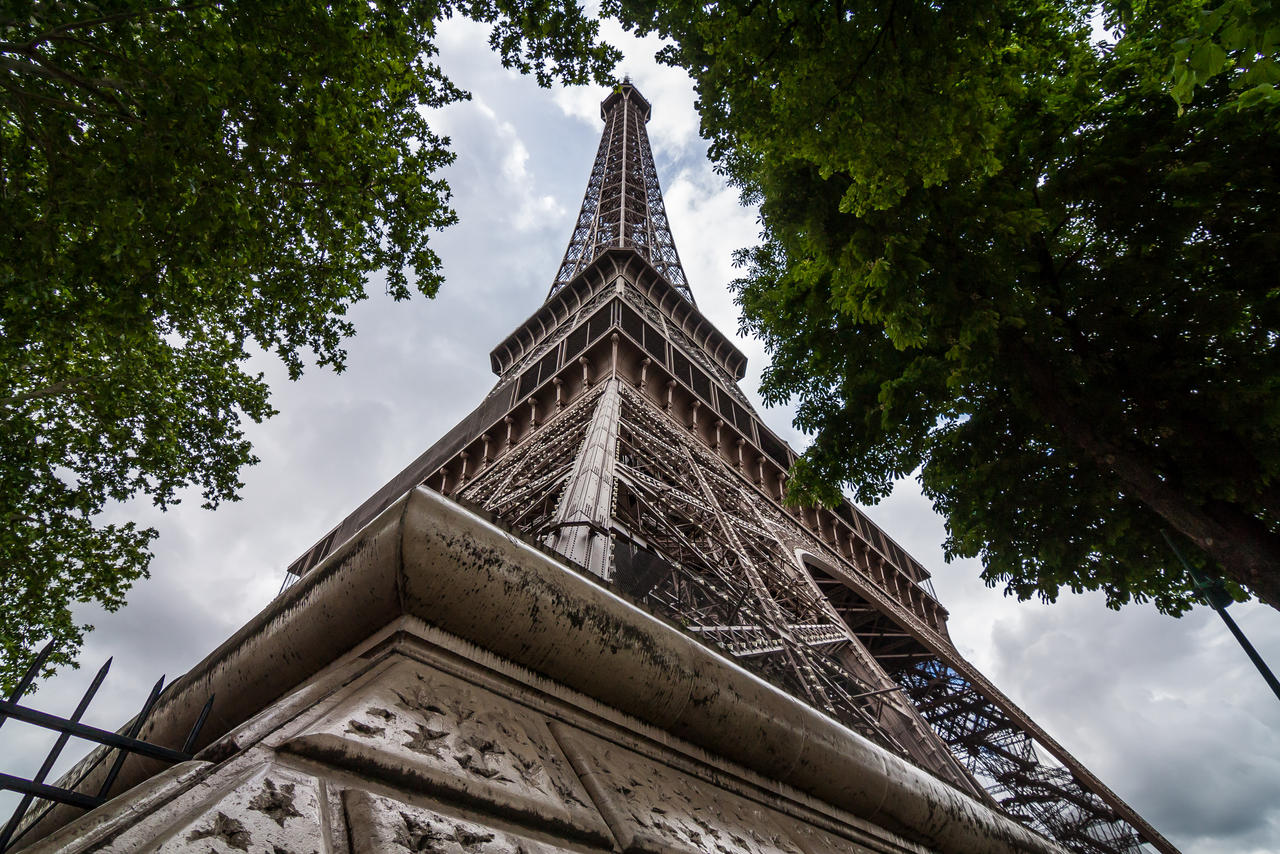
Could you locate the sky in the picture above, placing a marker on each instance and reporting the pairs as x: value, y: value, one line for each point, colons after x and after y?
x: 1167, y: 712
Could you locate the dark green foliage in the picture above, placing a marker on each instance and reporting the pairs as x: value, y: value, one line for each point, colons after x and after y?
x: 1237, y: 39
x: 180, y: 183
x: 1003, y: 256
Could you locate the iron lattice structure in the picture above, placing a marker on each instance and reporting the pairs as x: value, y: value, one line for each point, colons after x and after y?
x: 617, y: 437
x: 623, y: 206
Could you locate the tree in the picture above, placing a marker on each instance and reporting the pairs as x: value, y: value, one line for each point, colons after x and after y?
x: 1236, y: 38
x: 182, y: 182
x: 1003, y: 256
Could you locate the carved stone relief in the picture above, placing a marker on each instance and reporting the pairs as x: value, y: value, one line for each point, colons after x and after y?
x: 277, y: 811
x: 422, y: 729
x: 380, y: 825
x: 655, y: 809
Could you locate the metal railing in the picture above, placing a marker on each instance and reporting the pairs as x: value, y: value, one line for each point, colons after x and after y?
x: 121, y: 744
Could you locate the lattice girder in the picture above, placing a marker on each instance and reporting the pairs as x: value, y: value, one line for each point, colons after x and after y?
x: 727, y: 575
x: 622, y: 207
x: 724, y: 567
x: 993, y: 747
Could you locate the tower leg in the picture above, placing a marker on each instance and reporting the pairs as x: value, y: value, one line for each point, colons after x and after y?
x: 580, y: 530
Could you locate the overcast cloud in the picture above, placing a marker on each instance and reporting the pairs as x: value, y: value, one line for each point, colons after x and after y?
x: 1169, y: 713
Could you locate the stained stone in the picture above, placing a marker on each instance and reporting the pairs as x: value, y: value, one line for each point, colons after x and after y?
x: 437, y: 733
x: 380, y: 825
x: 276, y: 811
x: 655, y: 809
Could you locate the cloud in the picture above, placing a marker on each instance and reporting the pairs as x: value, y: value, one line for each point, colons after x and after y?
x: 674, y: 125
x: 1169, y: 713
x: 531, y: 210
x: 526, y: 204
x: 1145, y: 697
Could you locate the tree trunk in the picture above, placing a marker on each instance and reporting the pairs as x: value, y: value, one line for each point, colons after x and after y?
x: 1236, y: 540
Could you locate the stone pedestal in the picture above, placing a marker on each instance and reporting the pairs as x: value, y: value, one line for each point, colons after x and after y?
x: 439, y: 685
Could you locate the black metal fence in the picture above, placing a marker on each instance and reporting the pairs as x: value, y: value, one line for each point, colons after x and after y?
x: 121, y: 745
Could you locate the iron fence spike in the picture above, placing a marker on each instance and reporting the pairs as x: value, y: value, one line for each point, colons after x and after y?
x: 133, y: 733
x: 8, y: 782
x: 54, y: 752
x: 199, y: 724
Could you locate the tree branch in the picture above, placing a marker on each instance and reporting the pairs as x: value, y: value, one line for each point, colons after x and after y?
x: 1242, y: 546
x: 53, y: 390
x: 119, y: 17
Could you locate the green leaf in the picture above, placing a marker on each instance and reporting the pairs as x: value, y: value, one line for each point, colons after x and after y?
x: 1207, y: 59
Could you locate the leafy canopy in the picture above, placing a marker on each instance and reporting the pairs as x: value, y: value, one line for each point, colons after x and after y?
x: 1004, y: 256
x: 183, y: 181
x: 1236, y: 38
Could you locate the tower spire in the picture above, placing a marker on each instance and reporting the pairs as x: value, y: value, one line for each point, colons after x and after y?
x: 623, y: 207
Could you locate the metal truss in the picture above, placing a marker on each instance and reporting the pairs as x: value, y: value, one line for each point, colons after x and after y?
x: 525, y: 488
x: 982, y: 730
x: 688, y: 538
x: 623, y: 206
x: 998, y: 751
x: 693, y: 539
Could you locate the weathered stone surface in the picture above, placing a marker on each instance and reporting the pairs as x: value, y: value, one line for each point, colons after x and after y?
x: 115, y: 816
x: 655, y: 809
x: 423, y: 729
x: 449, y: 587
x: 815, y: 840
x: 380, y: 825
x: 277, y: 811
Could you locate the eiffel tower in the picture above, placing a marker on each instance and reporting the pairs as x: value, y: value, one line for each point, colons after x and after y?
x: 617, y: 437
